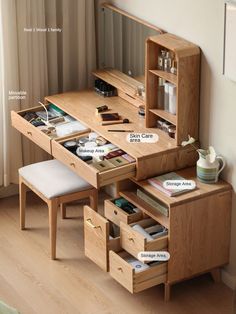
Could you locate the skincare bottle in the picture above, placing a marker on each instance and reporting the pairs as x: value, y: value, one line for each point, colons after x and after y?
x: 173, y: 69
x: 161, y: 59
x: 167, y: 62
x: 160, y: 93
x: 166, y: 96
x: 172, y: 98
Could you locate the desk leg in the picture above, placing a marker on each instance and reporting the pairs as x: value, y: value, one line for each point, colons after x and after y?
x: 216, y: 275
x: 167, y: 292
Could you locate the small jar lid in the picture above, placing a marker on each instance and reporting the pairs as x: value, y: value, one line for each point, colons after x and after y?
x: 70, y: 144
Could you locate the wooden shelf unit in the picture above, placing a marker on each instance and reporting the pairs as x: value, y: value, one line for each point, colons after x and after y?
x: 186, y: 80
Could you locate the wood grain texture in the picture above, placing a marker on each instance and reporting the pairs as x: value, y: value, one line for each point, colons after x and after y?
x: 116, y: 214
x: 187, y: 81
x: 199, y: 236
x: 74, y: 284
x: 134, y: 242
x: 201, y: 191
x: 30, y: 131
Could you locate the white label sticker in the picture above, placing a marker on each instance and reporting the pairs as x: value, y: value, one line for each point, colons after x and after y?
x: 93, y: 151
x: 179, y: 184
x: 149, y: 256
x: 142, y: 138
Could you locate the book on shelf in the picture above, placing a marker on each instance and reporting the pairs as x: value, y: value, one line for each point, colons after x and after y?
x: 158, y: 183
x: 153, y: 202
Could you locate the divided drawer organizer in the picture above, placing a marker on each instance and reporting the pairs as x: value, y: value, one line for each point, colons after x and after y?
x: 116, y: 254
x: 54, y: 146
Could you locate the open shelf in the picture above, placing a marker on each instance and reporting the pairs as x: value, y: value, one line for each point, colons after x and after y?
x: 172, y: 78
x: 145, y: 207
x: 165, y: 115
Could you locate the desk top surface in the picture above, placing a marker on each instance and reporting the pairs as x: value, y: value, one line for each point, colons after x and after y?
x: 82, y: 106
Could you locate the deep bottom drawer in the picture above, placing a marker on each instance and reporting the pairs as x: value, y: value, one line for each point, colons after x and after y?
x: 125, y: 274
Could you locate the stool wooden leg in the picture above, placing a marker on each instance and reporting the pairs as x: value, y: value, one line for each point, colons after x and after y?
x: 52, y: 207
x: 63, y: 210
x: 22, y: 200
x: 94, y: 199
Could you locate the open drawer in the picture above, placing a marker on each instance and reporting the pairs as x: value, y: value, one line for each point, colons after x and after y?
x: 134, y: 242
x: 32, y: 132
x: 92, y: 175
x: 123, y: 272
x: 97, y: 238
x: 117, y: 214
x: 29, y: 130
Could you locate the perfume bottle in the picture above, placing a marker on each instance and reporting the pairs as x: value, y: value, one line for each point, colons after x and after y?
x: 167, y: 62
x: 161, y: 59
x: 173, y: 68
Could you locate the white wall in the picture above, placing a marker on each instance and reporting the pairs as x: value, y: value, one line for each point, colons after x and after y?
x: 202, y: 22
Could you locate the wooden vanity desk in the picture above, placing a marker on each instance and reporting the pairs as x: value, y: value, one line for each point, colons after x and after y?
x: 151, y: 159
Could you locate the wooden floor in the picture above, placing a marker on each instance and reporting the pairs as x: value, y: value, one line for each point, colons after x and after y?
x: 33, y: 283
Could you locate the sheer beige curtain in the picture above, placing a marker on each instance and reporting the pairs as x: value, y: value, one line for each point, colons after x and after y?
x: 40, y: 62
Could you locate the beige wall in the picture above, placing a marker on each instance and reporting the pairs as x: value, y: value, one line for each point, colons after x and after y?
x: 202, y: 23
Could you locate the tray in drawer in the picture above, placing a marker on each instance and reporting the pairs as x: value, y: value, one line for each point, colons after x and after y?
x: 117, y: 214
x: 87, y: 171
x: 125, y: 274
x: 97, y: 239
x: 32, y: 132
x: 134, y: 242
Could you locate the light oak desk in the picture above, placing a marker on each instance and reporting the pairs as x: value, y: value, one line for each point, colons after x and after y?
x: 198, y: 223
x: 151, y: 159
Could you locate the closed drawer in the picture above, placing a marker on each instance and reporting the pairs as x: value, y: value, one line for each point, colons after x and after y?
x: 134, y: 242
x: 87, y: 171
x: 30, y: 131
x: 124, y: 273
x: 116, y: 214
x: 97, y: 238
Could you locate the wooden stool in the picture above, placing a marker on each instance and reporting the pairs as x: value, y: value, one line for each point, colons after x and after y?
x: 57, y: 185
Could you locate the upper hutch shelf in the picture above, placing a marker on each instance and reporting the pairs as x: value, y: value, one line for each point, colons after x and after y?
x: 186, y: 80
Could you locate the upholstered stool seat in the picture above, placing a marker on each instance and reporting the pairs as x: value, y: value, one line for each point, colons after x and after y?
x: 56, y: 185
x: 53, y: 179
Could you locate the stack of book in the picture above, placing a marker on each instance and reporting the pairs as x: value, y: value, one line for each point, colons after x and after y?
x: 158, y: 183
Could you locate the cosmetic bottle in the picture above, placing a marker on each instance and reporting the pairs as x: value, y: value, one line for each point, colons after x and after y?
x: 160, y: 93
x: 161, y: 59
x: 167, y: 62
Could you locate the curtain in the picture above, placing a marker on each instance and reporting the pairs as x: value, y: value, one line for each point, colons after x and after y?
x: 46, y: 47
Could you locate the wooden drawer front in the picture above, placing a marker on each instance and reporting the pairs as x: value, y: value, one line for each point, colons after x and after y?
x: 134, y: 242
x: 31, y: 131
x: 124, y: 273
x: 96, y: 238
x: 116, y: 214
x: 88, y: 172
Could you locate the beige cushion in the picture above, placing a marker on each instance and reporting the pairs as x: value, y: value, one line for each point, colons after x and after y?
x: 53, y: 179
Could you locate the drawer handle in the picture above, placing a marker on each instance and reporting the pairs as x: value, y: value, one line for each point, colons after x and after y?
x: 115, y: 212
x: 120, y: 269
x: 29, y: 133
x: 72, y: 164
x: 131, y: 239
x: 90, y: 224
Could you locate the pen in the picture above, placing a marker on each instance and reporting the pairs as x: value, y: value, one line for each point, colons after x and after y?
x: 120, y: 130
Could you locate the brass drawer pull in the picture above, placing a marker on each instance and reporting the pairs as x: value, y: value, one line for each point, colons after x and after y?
x: 29, y: 133
x: 131, y: 239
x: 120, y: 269
x: 72, y: 164
x: 90, y: 224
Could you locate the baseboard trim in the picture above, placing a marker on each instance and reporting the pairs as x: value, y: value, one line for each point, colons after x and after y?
x: 228, y: 279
